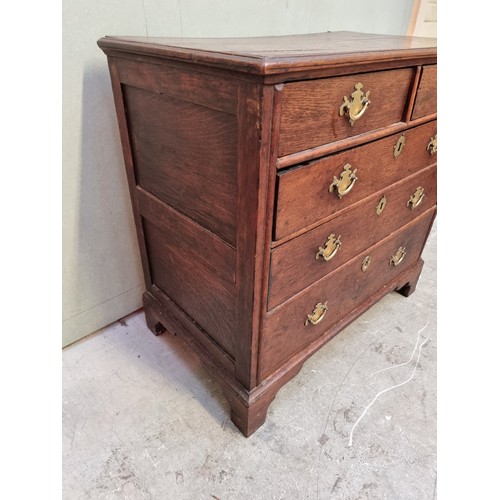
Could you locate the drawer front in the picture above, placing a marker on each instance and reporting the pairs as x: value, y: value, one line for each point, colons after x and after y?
x: 300, y: 262
x: 426, y: 100
x: 285, y: 332
x: 304, y: 196
x: 311, y: 109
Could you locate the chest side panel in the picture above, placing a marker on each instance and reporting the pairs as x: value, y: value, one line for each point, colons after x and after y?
x: 185, y: 154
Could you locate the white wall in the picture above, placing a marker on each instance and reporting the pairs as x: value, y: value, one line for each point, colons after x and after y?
x: 102, y: 277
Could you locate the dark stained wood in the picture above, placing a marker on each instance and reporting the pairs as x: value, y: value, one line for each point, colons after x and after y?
x: 221, y: 257
x: 163, y: 315
x: 203, y: 124
x: 129, y: 163
x: 344, y: 289
x: 178, y: 271
x: 413, y: 93
x: 210, y: 91
x: 303, y: 196
x: 186, y: 155
x: 294, y: 265
x: 310, y: 115
x: 333, y: 147
x: 253, y: 172
x: 406, y: 280
x: 280, y: 54
x: 426, y: 100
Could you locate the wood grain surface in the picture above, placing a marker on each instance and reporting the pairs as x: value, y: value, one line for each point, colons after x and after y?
x: 186, y: 155
x: 344, y: 289
x: 279, y: 54
x: 294, y: 265
x: 230, y: 146
x: 310, y: 115
x: 303, y: 195
x: 426, y: 99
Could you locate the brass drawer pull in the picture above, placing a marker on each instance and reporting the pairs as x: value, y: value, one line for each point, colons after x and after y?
x: 331, y: 247
x: 398, y: 148
x: 317, y: 315
x: 357, y: 106
x: 346, y: 181
x: 366, y: 262
x: 416, y: 198
x: 432, y: 147
x: 381, y: 205
x: 398, y: 257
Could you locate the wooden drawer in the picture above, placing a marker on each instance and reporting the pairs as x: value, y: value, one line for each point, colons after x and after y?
x: 303, y: 192
x: 285, y: 332
x: 294, y: 265
x: 311, y: 109
x: 426, y: 100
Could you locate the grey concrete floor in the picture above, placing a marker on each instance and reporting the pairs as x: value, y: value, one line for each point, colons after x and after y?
x: 143, y: 420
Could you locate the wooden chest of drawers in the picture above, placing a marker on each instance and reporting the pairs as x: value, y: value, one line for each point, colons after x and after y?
x: 280, y: 187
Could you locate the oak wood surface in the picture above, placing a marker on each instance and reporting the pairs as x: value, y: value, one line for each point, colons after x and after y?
x: 310, y: 115
x: 205, y: 124
x: 294, y: 265
x: 162, y: 314
x: 211, y: 91
x: 195, y: 287
x: 254, y: 119
x: 221, y: 258
x: 303, y: 196
x: 121, y: 115
x: 279, y: 54
x: 186, y: 155
x: 426, y: 99
x: 344, y: 289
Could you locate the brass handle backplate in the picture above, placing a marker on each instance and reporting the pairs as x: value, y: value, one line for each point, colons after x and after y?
x: 432, y: 147
x: 317, y: 315
x: 398, y: 148
x: 331, y: 247
x: 381, y: 205
x: 416, y: 198
x: 398, y: 257
x: 356, y: 107
x: 346, y: 181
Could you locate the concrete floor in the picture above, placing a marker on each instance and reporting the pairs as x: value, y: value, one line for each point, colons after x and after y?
x: 143, y: 420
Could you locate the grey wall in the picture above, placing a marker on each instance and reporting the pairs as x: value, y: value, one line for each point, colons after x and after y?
x: 102, y: 277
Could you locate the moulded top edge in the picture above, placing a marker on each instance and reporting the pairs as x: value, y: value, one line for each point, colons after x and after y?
x: 277, y: 54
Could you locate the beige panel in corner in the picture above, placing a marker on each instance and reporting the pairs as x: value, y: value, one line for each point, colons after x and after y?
x: 423, y: 21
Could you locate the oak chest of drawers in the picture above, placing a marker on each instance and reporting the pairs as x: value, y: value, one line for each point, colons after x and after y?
x: 280, y: 187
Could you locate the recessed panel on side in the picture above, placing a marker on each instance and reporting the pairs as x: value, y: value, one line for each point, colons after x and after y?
x: 186, y: 155
x: 177, y: 269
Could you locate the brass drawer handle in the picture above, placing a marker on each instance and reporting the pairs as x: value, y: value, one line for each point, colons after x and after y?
x: 400, y: 144
x: 398, y: 257
x: 366, y: 262
x: 317, y: 315
x: 381, y: 205
x: 331, y: 247
x: 345, y: 183
x: 357, y: 106
x: 416, y: 198
x: 432, y: 147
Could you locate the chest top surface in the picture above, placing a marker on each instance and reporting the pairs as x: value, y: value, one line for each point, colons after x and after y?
x: 278, y: 54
